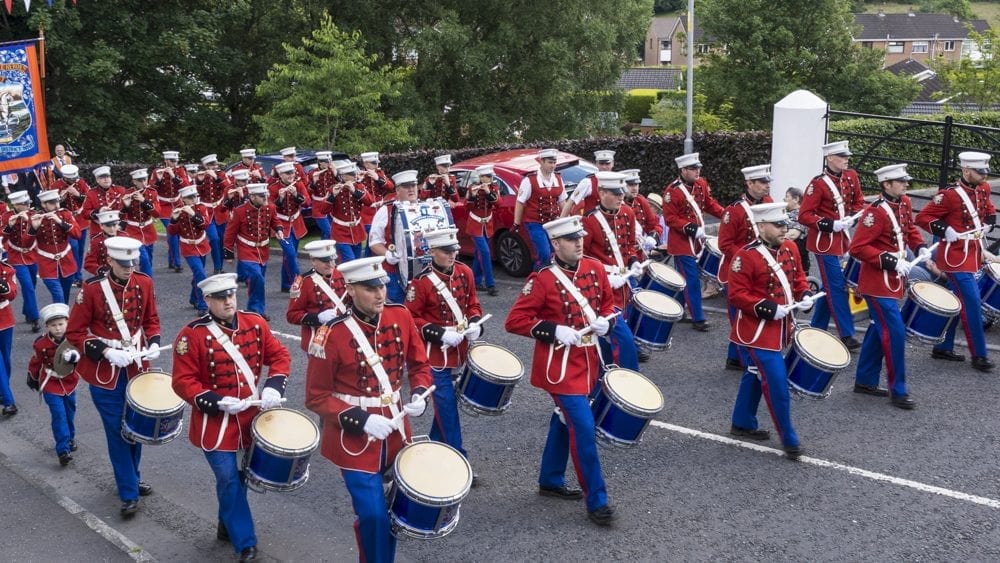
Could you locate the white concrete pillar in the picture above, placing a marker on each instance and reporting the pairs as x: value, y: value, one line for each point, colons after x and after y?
x: 798, y: 133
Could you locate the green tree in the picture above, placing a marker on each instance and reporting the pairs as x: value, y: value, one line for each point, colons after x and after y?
x: 668, y: 6
x: 974, y: 81
x: 958, y: 8
x: 774, y: 47
x: 327, y: 94
x: 670, y: 115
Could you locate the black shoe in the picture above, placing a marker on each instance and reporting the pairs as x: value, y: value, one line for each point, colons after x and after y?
x: 9, y: 411
x: 644, y: 355
x: 794, y: 452
x: 35, y: 326
x: 851, y: 343
x: 178, y: 269
x: 145, y: 489
x: 267, y: 318
x: 217, y: 272
x: 602, y: 516
x: 981, y: 363
x: 475, y: 480
x: 130, y: 507
x: 701, y: 326
x: 903, y: 402
x: 481, y: 289
x: 492, y: 291
x: 753, y: 434
x: 946, y: 355
x: 871, y: 390
x: 64, y: 459
x: 72, y: 445
x: 734, y: 364
x: 221, y: 533
x: 563, y: 492
x: 249, y: 554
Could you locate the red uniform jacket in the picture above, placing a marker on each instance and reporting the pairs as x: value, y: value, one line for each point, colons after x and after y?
x: 320, y: 182
x: 140, y: 216
x: 307, y: 300
x: 288, y: 208
x: 212, y: 188
x: 756, y: 292
x: 19, y: 239
x: 99, y: 198
x: 591, y: 200
x: 542, y: 305
x: 597, y: 245
x: 736, y: 230
x: 92, y: 329
x: 543, y: 204
x: 249, y: 230
x: 8, y: 291
x: 382, y: 190
x: 72, y: 202
x: 344, y: 371
x: 347, y: 210
x: 481, y: 205
x: 948, y: 210
x: 875, y: 244
x: 432, y: 314
x: 204, y: 373
x: 819, y: 209
x: 256, y: 171
x: 191, y: 230
x: 167, y: 188
x: 41, y: 362
x: 681, y: 218
x: 300, y: 174
x: 440, y: 188
x: 54, y: 255
x: 96, y: 260
x: 647, y: 218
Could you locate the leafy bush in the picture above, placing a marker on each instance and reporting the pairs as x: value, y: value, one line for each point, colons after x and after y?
x: 637, y: 106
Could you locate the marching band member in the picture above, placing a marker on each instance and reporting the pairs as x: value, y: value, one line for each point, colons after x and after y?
x: 59, y: 392
x: 20, y: 245
x: 645, y: 215
x: 235, y: 196
x: 248, y: 240
x: 684, y: 201
x: 189, y: 221
x: 961, y: 214
x: 167, y: 180
x: 248, y: 162
x: 584, y: 197
x: 319, y: 295
x: 880, y: 243
x: 481, y: 199
x: 102, y: 196
x: 114, y: 319
x: 289, y: 195
x: 827, y: 206
x: 348, y: 200
x: 219, y: 362
x: 539, y: 198
x: 8, y: 291
x: 96, y: 261
x: 72, y: 194
x: 53, y: 228
x: 320, y: 181
x: 353, y: 382
x: 140, y: 207
x: 736, y: 230
x: 765, y: 276
x: 378, y: 185
x: 556, y: 307
x: 611, y: 240
x: 212, y: 188
x: 442, y: 184
x: 382, y: 235
x: 288, y: 155
x: 443, y: 302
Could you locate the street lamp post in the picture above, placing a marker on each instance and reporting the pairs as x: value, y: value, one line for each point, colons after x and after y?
x: 688, y: 141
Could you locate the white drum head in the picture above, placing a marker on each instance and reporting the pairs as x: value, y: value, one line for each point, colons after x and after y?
x: 633, y: 388
x: 824, y: 347
x: 993, y: 271
x: 712, y: 245
x: 498, y: 361
x: 666, y: 275
x: 287, y: 429
x: 152, y: 391
x: 433, y: 470
x: 936, y: 298
x: 656, y: 302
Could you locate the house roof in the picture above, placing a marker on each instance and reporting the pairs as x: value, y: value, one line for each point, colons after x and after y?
x: 914, y: 26
x: 662, y: 26
x: 929, y: 81
x: 652, y: 77
x: 699, y: 32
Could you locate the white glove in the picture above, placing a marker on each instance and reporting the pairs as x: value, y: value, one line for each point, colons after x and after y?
x: 648, y: 243
x: 903, y: 268
x: 841, y: 225
x: 617, y: 280
x: 392, y: 258
x: 567, y: 336
x: 327, y: 315
x: 152, y: 352
x: 635, y: 270
x: 379, y: 427
x: 451, y: 337
x: 782, y: 312
x: 600, y: 326
x: 270, y: 398
x: 924, y: 254
x: 473, y: 332
x: 700, y: 234
x: 118, y: 358
x: 807, y: 301
x: 71, y: 356
x: 232, y: 405
x: 416, y: 406
x: 950, y: 235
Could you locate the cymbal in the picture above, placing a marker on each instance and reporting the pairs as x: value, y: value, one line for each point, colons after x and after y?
x: 59, y: 365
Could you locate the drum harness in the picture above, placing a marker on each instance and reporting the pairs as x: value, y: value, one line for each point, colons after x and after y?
x: 615, y: 250
x: 753, y: 226
x: 773, y: 265
x: 976, y: 223
x: 388, y: 397
x: 839, y: 200
x: 242, y: 367
x: 697, y: 212
x: 588, y: 312
x: 456, y: 311
x: 901, y: 250
x: 128, y: 340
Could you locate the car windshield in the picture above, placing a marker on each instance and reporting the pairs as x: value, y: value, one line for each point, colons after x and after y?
x: 572, y: 175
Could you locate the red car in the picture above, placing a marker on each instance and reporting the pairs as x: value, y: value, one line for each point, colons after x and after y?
x: 513, y: 250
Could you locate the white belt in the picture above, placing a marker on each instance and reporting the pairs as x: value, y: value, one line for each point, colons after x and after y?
x: 145, y: 223
x: 117, y: 344
x: 169, y: 199
x: 56, y: 256
x: 209, y: 205
x: 369, y: 402
x: 16, y: 248
x: 479, y: 219
x: 249, y: 242
x: 353, y: 223
x: 194, y: 240
x: 286, y: 217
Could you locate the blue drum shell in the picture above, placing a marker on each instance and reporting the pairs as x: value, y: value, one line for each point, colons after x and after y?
x: 415, y: 519
x: 988, y: 291
x: 650, y: 331
x: 805, y: 378
x: 151, y: 429
x: 277, y: 471
x: 613, y: 425
x: 483, y: 396
x: 924, y: 325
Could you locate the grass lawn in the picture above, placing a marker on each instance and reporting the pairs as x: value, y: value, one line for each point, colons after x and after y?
x: 989, y: 11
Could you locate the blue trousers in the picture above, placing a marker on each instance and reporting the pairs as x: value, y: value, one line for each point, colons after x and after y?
x: 773, y: 384
x: 290, y: 261
x: 124, y: 456
x: 395, y: 290
x: 885, y: 339
x: 543, y: 248
x: 447, y: 427
x: 59, y: 288
x: 6, y: 341
x: 576, y: 437
x: 197, y: 265
x: 79, y: 247
x: 26, y: 276
x: 347, y: 252
x: 376, y: 544
x: 482, y: 263
x: 174, y: 247
x: 618, y: 346
x: 146, y: 259
x: 323, y: 224
x: 692, y: 292
x: 215, y: 232
x: 63, y: 411
x: 231, y: 490
x: 832, y: 274
x: 253, y: 274
x: 966, y: 287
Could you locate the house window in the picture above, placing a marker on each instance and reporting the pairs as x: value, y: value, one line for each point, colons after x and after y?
x: 665, y: 56
x: 895, y: 47
x: 702, y: 48
x: 949, y: 45
x: 866, y: 44
x: 919, y: 47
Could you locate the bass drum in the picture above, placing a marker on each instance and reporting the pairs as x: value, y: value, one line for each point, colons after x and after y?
x: 412, y: 219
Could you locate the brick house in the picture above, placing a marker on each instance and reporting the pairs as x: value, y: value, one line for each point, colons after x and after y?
x: 666, y: 42
x: 920, y: 37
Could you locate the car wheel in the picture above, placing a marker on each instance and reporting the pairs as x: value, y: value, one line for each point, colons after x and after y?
x: 514, y: 255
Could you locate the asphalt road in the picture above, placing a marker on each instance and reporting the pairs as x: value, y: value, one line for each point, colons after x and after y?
x: 878, y: 483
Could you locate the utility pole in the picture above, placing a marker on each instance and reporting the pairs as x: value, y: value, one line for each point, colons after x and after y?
x: 688, y: 141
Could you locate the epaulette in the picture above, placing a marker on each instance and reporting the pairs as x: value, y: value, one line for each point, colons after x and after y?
x: 340, y: 318
x: 252, y: 314
x: 309, y: 273
x: 592, y: 211
x: 819, y: 176
x: 400, y: 305
x: 95, y: 279
x: 753, y: 244
x: 200, y: 321
x: 423, y: 273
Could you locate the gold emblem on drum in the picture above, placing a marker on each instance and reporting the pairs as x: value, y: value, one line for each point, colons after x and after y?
x: 737, y: 264
x: 869, y: 219
x: 526, y: 290
x: 182, y: 346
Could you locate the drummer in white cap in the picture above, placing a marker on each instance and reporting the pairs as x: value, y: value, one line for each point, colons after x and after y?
x: 20, y: 245
x: 382, y: 235
x: 539, y: 198
x: 318, y: 295
x: 354, y: 383
x: 218, y: 368
x: 584, y: 196
x: 58, y: 390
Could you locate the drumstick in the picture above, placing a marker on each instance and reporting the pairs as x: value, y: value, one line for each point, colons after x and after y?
x: 586, y: 330
x: 924, y: 254
x: 140, y: 355
x: 260, y: 402
x: 399, y: 417
x: 482, y: 320
x: 642, y: 265
x: 802, y: 304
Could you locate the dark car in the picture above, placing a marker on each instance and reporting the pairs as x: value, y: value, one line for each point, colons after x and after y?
x: 306, y: 158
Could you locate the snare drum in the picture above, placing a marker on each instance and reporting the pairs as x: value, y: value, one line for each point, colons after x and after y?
x: 710, y: 257
x: 491, y: 372
x: 283, y: 440
x: 928, y: 311
x: 664, y: 279
x: 430, y: 479
x: 813, y: 361
x: 988, y: 285
x: 412, y: 220
x: 652, y: 318
x: 625, y: 403
x: 153, y: 413
x: 852, y: 271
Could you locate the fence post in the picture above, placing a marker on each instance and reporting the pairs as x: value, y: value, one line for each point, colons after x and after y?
x: 945, y: 153
x: 798, y: 132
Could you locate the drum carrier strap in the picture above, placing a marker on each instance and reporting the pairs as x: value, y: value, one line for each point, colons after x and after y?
x: 588, y: 312
x: 976, y: 223
x: 900, y: 249
x: 695, y: 208
x: 338, y: 304
x: 611, y: 239
x: 375, y: 363
x: 456, y: 311
x: 241, y: 366
x: 772, y: 265
x: 839, y: 201
x: 116, y: 313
